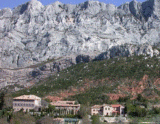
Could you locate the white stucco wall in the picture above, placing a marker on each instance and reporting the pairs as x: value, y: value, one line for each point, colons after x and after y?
x: 95, y: 111
x: 107, y: 110
x: 37, y: 102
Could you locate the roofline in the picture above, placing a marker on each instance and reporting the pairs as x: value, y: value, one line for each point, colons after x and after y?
x: 21, y: 97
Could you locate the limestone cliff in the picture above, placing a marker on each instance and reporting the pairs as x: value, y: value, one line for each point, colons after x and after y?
x: 32, y: 33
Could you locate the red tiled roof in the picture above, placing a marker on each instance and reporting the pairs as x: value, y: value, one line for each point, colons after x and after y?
x: 115, y: 105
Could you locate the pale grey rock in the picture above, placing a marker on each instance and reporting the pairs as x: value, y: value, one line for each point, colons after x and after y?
x: 26, y: 77
x: 128, y: 50
x: 135, y: 8
x: 6, y: 13
x: 33, y: 33
x: 156, y: 52
x: 125, y: 8
x: 157, y: 9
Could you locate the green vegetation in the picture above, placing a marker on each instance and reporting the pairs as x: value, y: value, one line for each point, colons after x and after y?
x: 115, y: 69
x: 22, y: 118
x: 136, y: 111
x: 45, y: 120
x: 138, y: 120
x: 86, y: 120
x: 1, y: 100
x: 95, y: 119
x: 113, y: 72
x: 31, y: 117
x: 50, y: 108
x: 94, y: 96
x: 140, y: 108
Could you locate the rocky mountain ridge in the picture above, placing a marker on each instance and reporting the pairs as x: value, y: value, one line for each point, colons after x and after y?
x: 32, y: 33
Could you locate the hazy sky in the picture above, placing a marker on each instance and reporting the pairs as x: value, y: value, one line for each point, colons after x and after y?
x: 14, y: 3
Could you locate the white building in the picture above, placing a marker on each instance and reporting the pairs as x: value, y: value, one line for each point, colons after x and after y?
x: 97, y: 109
x: 107, y: 110
x: 68, y: 106
x: 27, y: 102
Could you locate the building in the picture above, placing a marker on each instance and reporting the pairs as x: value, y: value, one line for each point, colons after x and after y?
x: 118, y: 109
x: 68, y: 107
x: 27, y: 102
x: 97, y: 109
x: 156, y: 106
x: 107, y: 110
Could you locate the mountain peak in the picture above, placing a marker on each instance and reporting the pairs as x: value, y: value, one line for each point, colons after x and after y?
x: 38, y: 33
x: 34, y: 4
x: 28, y: 6
x: 57, y: 2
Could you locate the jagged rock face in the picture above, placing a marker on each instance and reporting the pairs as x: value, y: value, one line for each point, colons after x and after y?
x: 127, y: 51
x: 26, y: 77
x: 32, y: 33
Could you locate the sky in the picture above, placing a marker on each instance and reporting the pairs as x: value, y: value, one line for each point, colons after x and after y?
x: 14, y: 3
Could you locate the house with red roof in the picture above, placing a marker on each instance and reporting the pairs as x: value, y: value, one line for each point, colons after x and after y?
x: 118, y: 109
x: 107, y: 110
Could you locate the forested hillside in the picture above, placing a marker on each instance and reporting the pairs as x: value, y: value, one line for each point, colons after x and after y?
x: 99, y: 78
